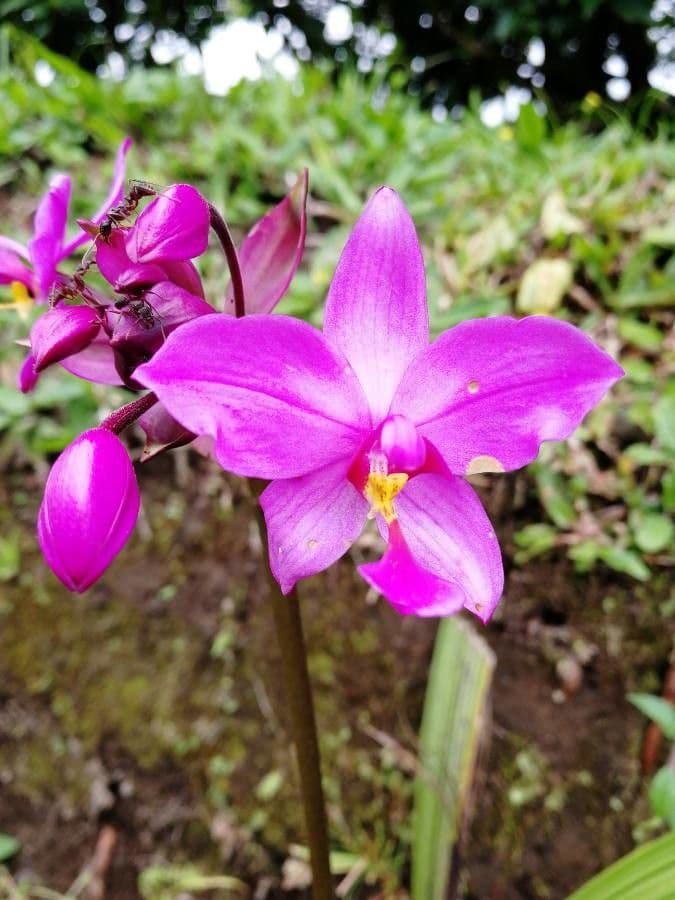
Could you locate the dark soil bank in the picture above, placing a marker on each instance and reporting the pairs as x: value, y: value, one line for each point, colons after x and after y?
x: 142, y: 725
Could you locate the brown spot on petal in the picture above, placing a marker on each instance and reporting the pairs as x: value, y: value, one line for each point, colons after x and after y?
x: 312, y: 544
x: 484, y: 464
x: 473, y: 387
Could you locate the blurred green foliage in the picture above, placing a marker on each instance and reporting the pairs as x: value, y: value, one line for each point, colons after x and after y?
x: 536, y: 217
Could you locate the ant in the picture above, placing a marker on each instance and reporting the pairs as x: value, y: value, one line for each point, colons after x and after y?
x: 118, y: 214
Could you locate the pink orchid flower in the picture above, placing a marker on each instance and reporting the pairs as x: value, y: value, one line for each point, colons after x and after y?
x: 35, y: 266
x: 369, y: 419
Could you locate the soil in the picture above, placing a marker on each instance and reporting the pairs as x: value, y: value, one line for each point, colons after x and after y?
x: 153, y: 704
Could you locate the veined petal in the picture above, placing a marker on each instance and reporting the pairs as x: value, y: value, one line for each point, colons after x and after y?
x: 311, y: 521
x: 49, y: 230
x: 114, y: 197
x: 376, y: 310
x: 272, y: 250
x: 411, y: 590
x: 175, y: 225
x: 449, y: 537
x: 95, y: 363
x: 277, y: 398
x: 489, y: 391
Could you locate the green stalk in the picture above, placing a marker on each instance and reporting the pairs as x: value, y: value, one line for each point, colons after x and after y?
x: 291, y: 639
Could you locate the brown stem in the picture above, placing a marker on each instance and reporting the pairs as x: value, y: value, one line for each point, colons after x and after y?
x: 220, y: 227
x: 303, y: 723
x: 124, y: 416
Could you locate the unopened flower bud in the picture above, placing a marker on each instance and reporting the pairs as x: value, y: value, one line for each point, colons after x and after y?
x: 61, y: 332
x: 89, y: 509
x: 174, y: 226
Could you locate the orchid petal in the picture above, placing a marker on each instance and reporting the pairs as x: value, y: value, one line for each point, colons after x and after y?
x: 114, y: 264
x: 89, y: 509
x: 61, y: 332
x: 13, y: 246
x: 411, y: 589
x: 376, y: 310
x: 175, y: 225
x: 277, y: 398
x: 144, y: 324
x: 184, y: 273
x: 49, y: 231
x: 95, y: 363
x: 311, y: 522
x: 162, y: 432
x: 12, y: 269
x: 272, y: 250
x: 489, y: 391
x: 114, y: 197
x: 28, y: 377
x: 448, y: 535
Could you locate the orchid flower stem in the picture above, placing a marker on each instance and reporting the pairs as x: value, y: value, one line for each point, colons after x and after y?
x: 291, y: 639
x: 220, y: 227
x: 126, y: 415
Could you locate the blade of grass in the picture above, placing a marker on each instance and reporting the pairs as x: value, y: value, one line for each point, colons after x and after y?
x: 648, y: 872
x: 454, y: 713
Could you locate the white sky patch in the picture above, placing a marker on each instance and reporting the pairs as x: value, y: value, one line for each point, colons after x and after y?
x: 239, y: 50
x: 338, y: 26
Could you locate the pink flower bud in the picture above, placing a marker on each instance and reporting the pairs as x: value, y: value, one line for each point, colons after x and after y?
x: 174, y: 226
x: 89, y: 508
x: 61, y: 332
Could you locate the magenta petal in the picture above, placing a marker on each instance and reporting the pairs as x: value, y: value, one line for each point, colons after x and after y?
x: 175, y: 225
x: 411, y: 590
x: 115, y: 194
x: 278, y: 400
x: 163, y: 308
x: 95, y: 363
x: 60, y: 332
x: 89, y: 509
x: 162, y: 432
x: 311, y: 522
x: 376, y: 311
x: 183, y: 273
x: 449, y: 536
x: 272, y: 250
x: 49, y: 231
x: 28, y: 377
x: 489, y: 391
x: 114, y: 264
x: 12, y: 246
x: 12, y: 269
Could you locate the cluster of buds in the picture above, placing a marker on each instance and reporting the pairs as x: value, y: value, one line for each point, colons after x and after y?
x: 101, y: 327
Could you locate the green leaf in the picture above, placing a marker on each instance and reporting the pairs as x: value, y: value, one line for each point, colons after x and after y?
x: 454, y: 709
x: 664, y: 421
x: 625, y: 561
x: 658, y: 710
x: 647, y: 873
x: 9, y: 846
x: 662, y: 795
x: 653, y: 532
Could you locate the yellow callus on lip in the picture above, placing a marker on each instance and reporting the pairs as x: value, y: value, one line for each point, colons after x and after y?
x: 380, y: 491
x: 22, y: 302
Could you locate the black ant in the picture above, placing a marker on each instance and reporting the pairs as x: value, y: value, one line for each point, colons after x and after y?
x: 118, y: 214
